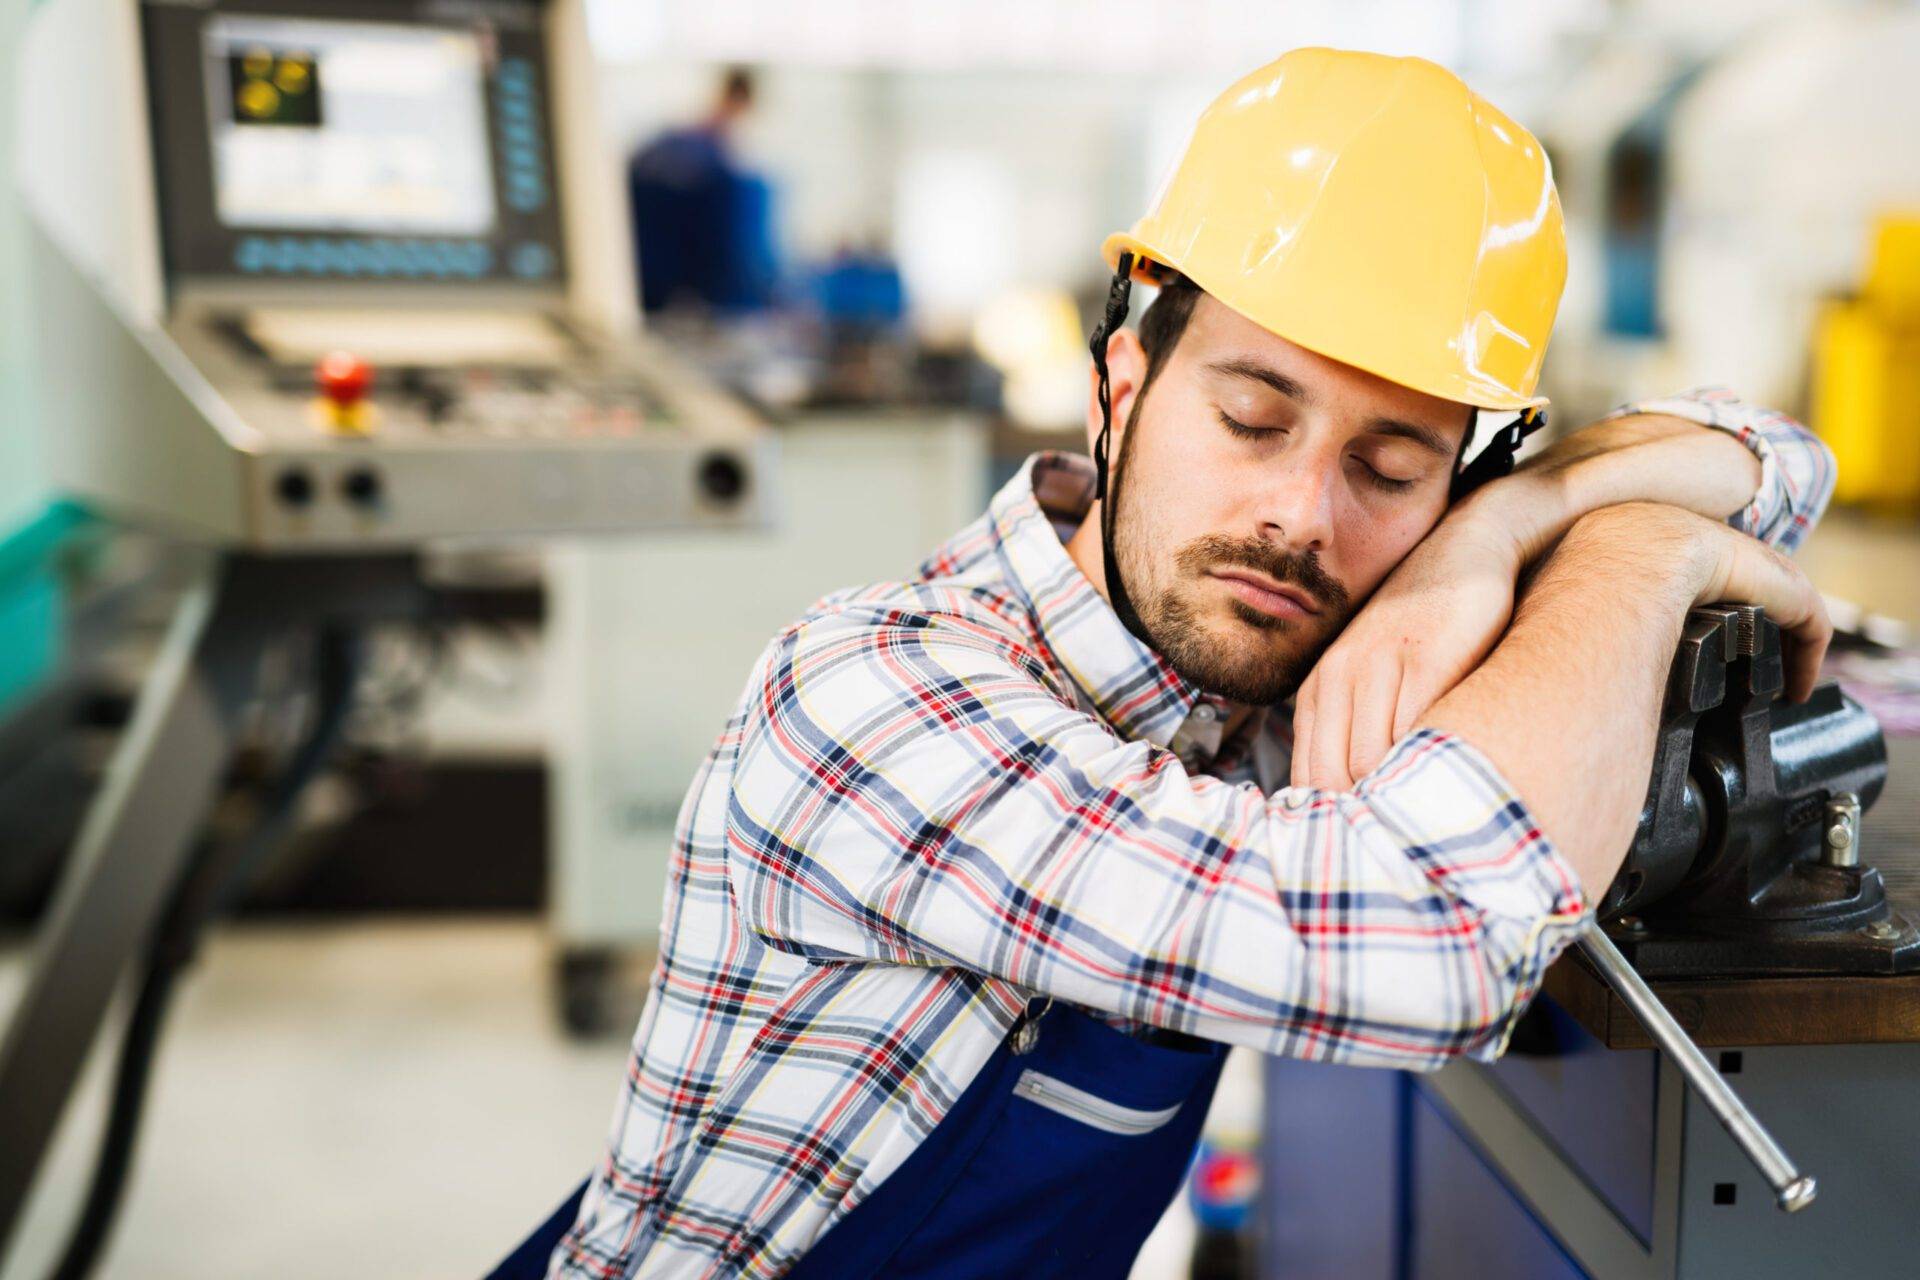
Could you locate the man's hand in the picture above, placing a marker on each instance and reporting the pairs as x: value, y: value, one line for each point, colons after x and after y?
x: 1432, y: 621
x: 1747, y: 571
x: 1566, y: 704
x: 1724, y: 566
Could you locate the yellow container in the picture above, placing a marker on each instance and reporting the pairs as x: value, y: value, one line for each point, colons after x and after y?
x: 1865, y: 400
x: 1892, y: 285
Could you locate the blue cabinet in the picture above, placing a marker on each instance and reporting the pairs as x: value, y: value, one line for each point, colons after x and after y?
x: 1464, y: 1222
x: 1370, y: 1175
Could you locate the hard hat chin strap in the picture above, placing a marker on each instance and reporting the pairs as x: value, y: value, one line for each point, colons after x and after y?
x: 1118, y: 294
x: 1496, y: 459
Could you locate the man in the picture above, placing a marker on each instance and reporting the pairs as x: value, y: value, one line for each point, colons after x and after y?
x: 988, y: 866
x: 701, y: 224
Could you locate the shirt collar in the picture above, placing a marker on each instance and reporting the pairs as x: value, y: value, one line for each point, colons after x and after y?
x: 1128, y: 684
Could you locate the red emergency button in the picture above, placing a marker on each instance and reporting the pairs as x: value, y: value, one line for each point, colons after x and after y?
x: 344, y: 380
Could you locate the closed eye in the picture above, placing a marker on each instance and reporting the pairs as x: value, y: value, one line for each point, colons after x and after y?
x: 1382, y: 481
x: 1379, y: 480
x: 1238, y: 428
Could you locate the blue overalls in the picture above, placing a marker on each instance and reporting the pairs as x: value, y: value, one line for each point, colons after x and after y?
x: 1056, y: 1161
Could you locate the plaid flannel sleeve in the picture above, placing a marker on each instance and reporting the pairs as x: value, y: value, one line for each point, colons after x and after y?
x: 912, y: 789
x: 1796, y: 468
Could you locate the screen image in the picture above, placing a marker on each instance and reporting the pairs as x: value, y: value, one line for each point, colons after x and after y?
x: 359, y: 127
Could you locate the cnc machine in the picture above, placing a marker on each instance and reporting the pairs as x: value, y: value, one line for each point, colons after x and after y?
x: 321, y: 286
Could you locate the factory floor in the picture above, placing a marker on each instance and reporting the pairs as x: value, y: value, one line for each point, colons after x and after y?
x: 368, y: 1099
x: 390, y: 1099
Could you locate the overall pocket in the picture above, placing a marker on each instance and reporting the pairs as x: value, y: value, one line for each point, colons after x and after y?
x: 1070, y: 1175
x: 1089, y: 1108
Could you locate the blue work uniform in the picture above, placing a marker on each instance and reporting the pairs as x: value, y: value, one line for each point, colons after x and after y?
x: 1057, y: 1160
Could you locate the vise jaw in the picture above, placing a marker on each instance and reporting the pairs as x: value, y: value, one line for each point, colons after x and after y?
x: 1746, y: 860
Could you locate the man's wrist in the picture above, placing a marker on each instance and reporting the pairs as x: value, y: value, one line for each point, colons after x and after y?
x: 1524, y: 513
x: 1673, y: 550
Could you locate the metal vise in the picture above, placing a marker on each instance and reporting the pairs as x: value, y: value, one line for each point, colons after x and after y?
x: 1747, y: 856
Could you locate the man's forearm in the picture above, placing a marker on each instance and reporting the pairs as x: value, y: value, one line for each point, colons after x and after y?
x: 1567, y: 704
x: 1640, y: 458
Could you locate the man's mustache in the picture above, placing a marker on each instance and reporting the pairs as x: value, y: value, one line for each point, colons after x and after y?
x: 1300, y: 568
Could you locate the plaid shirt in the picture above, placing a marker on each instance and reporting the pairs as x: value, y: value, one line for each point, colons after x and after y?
x: 1796, y: 469
x: 939, y: 800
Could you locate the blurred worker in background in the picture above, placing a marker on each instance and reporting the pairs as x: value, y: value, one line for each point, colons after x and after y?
x: 702, y: 225
x: 1241, y: 732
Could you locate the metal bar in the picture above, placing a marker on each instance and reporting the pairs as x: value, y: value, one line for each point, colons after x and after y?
x: 1792, y: 1189
x: 129, y: 855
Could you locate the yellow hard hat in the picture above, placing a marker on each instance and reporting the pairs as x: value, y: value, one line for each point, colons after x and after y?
x: 1375, y: 210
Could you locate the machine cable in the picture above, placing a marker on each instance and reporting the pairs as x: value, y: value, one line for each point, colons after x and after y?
x: 217, y: 876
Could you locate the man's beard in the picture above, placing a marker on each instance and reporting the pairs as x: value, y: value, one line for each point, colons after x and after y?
x: 1238, y: 667
x: 1242, y: 668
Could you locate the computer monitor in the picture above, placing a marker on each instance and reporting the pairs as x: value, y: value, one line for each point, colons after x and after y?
x: 354, y: 142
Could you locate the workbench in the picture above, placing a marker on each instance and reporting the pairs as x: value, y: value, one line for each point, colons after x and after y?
x: 1581, y: 1154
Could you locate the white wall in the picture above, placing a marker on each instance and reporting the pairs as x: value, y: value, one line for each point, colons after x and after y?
x: 1038, y: 126
x: 1783, y: 156
x: 1024, y: 173
x: 21, y: 488
x: 1132, y: 36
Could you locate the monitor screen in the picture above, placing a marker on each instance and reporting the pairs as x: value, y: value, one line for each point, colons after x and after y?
x: 348, y: 126
x: 354, y: 141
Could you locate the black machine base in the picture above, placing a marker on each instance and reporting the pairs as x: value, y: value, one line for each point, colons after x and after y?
x: 1692, y: 949
x: 1747, y: 861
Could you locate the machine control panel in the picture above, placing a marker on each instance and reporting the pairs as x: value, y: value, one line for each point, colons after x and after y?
x: 441, y: 436
x: 483, y: 402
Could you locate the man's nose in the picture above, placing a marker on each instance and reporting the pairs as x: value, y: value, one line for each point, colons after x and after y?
x: 1296, y: 510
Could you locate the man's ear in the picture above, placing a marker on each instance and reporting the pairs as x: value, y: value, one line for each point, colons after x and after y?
x: 1126, y: 370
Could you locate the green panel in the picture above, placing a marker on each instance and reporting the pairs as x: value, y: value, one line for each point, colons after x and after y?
x: 32, y: 602
x: 30, y: 632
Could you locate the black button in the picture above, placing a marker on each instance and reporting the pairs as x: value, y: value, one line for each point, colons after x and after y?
x: 294, y: 486
x: 722, y: 478
x: 362, y: 486
x: 437, y: 403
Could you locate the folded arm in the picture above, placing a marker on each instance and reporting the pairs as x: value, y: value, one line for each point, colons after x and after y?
x: 1438, y: 614
x: 1796, y: 468
x: 1567, y: 704
x: 1761, y: 471
x: 912, y: 787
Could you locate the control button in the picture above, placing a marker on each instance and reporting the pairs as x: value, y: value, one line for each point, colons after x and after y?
x: 361, y: 487
x: 294, y: 486
x: 343, y: 377
x: 344, y: 380
x: 437, y: 400
x: 722, y: 478
x: 437, y: 403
